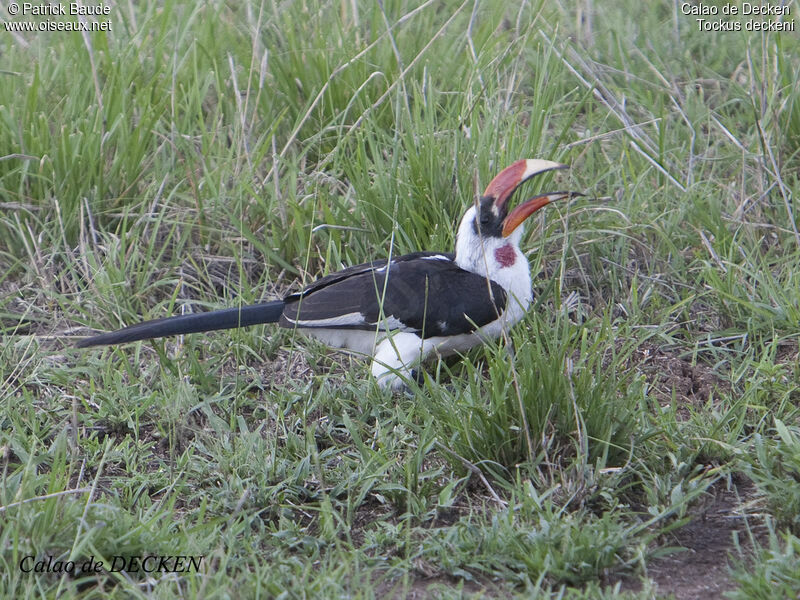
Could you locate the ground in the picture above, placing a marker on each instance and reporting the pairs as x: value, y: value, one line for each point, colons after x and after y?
x: 208, y: 155
x: 701, y: 565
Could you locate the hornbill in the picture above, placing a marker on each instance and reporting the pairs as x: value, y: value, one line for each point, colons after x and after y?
x: 400, y: 310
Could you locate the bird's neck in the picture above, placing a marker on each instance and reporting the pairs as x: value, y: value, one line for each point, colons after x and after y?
x: 497, y: 258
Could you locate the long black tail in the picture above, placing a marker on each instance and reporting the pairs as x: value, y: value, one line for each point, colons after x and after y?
x: 228, y: 318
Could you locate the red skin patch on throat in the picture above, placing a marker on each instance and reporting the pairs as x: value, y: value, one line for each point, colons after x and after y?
x: 506, y: 255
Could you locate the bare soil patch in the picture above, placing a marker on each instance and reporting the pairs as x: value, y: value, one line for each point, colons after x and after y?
x: 701, y: 569
x: 670, y: 375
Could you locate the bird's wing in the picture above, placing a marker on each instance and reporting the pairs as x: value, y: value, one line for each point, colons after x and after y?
x: 367, y: 267
x: 425, y: 293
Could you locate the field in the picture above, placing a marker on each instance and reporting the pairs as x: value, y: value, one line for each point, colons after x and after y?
x: 636, y: 436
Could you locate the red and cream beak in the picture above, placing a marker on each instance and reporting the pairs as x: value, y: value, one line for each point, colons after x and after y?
x: 517, y: 216
x: 509, y: 179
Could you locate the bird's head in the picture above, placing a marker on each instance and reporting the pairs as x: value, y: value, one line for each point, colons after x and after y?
x: 489, y: 228
x: 492, y: 216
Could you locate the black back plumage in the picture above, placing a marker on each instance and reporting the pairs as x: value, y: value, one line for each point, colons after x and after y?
x: 426, y: 293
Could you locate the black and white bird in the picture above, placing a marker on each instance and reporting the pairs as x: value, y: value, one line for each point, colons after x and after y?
x: 402, y: 310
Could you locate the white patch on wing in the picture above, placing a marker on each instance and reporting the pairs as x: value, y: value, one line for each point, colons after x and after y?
x: 442, y: 325
x: 391, y: 323
x: 436, y: 257
x: 347, y: 320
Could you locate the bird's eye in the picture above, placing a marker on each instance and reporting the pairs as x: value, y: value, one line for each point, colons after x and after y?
x: 484, y: 219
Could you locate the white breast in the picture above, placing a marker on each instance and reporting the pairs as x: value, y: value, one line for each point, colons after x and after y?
x: 478, y: 254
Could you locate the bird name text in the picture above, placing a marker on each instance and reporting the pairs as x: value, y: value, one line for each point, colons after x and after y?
x: 148, y: 563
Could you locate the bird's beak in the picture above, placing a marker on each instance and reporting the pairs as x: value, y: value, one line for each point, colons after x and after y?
x: 517, y: 216
x: 509, y: 179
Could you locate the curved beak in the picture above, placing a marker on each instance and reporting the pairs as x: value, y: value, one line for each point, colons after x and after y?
x: 509, y: 179
x: 517, y: 216
x: 501, y: 188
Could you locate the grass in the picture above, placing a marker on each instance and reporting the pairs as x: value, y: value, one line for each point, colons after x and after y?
x: 206, y: 155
